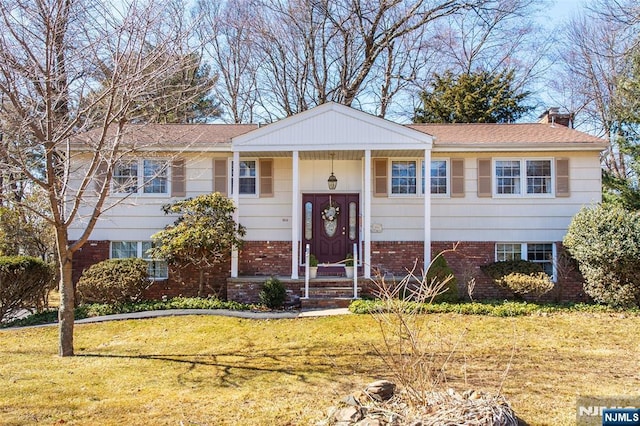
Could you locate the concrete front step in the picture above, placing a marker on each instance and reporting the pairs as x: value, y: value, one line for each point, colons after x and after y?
x: 325, y: 302
x: 330, y: 291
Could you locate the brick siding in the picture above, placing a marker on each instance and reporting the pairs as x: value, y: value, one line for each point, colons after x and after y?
x: 265, y: 258
x: 272, y: 258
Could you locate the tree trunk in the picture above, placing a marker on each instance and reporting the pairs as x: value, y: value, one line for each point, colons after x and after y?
x: 67, y: 296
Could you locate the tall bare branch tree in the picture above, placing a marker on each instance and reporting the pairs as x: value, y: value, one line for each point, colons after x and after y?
x: 354, y: 52
x: 51, y: 52
x: 592, y: 59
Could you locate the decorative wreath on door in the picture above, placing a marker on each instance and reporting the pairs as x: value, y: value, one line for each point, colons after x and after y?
x: 331, y: 212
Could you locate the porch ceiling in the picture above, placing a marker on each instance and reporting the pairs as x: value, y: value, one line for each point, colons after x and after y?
x: 338, y: 155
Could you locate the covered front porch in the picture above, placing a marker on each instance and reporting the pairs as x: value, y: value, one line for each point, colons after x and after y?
x: 330, y: 142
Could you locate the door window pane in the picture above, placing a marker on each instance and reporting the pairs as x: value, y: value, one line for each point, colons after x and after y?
x: 308, y: 220
x: 353, y: 221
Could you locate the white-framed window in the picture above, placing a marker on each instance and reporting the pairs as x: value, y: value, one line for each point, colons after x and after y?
x: 517, y: 177
x: 141, y: 176
x: 542, y: 253
x: 248, y: 177
x: 157, y: 269
x: 404, y: 177
x: 404, y: 180
x: 439, y: 177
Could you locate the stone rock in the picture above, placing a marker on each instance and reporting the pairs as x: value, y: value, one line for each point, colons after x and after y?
x: 381, y: 390
x: 347, y: 415
x: 351, y: 400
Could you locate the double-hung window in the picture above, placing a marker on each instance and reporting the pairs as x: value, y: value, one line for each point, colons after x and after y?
x: 142, y: 176
x: 157, y: 269
x: 404, y: 178
x: 125, y: 177
x: 541, y: 253
x: 248, y: 177
x: 439, y: 177
x: 523, y: 177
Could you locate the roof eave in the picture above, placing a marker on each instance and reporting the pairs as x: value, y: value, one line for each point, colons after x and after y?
x: 521, y: 147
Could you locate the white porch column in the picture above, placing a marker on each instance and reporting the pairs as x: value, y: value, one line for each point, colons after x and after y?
x: 235, y: 185
x: 295, y: 214
x: 366, y: 222
x: 427, y: 208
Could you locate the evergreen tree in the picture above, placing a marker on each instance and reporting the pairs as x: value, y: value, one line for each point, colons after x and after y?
x: 179, y: 94
x: 476, y: 97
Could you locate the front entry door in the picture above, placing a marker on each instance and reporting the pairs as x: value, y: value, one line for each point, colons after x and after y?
x: 330, y: 225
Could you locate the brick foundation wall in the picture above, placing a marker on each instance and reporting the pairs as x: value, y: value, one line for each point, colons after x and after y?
x: 265, y: 258
x: 246, y: 290
x: 394, y: 258
x: 181, y: 282
x: 91, y: 252
x: 186, y: 282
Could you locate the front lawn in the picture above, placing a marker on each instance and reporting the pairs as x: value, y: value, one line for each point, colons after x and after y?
x: 209, y: 370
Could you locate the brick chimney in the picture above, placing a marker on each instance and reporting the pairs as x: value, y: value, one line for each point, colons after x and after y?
x: 554, y: 117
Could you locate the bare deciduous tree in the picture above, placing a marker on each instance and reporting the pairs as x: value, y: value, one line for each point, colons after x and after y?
x: 592, y: 59
x: 353, y: 52
x: 226, y: 33
x: 53, y: 89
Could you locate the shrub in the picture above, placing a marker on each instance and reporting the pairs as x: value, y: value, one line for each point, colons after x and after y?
x: 273, y: 293
x: 439, y: 271
x: 24, y: 282
x: 519, y: 276
x: 605, y: 241
x: 114, y: 281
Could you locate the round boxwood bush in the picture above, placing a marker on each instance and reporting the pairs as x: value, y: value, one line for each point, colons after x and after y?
x: 605, y: 241
x: 114, y: 281
x: 273, y: 293
x: 519, y: 276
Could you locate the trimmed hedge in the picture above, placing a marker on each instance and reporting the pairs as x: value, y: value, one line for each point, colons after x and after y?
x: 113, y: 281
x: 519, y: 276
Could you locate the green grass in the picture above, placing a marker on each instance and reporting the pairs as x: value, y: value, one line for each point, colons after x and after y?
x: 225, y: 371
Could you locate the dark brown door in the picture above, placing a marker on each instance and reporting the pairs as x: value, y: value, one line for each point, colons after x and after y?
x: 330, y: 225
